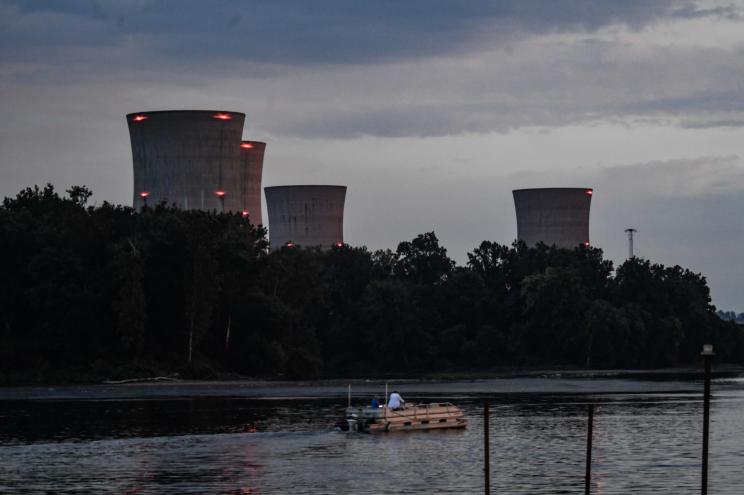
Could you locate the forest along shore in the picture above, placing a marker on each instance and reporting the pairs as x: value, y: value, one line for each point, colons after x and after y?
x: 96, y: 293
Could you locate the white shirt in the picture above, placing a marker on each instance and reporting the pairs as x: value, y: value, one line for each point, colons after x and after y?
x: 395, y: 401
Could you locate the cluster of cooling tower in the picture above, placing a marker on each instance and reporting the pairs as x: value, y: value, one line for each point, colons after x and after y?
x: 197, y: 159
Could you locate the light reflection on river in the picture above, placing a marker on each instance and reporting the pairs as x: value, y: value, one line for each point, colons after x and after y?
x: 644, y: 443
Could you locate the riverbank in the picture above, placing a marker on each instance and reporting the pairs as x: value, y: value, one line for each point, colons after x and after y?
x: 150, y: 375
x: 677, y: 380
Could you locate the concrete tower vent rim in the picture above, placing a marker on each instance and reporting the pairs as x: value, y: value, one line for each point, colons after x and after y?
x: 306, y: 185
x: 161, y: 112
x: 554, y: 189
x: 260, y: 145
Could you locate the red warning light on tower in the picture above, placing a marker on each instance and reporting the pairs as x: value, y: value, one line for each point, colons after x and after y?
x: 246, y: 146
x: 246, y: 213
x: 590, y: 192
x: 220, y: 193
x: 339, y: 244
x: 586, y: 244
x: 140, y: 118
x: 144, y: 194
x: 222, y: 116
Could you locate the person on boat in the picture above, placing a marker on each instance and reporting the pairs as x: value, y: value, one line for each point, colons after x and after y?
x: 396, y: 401
x: 374, y: 404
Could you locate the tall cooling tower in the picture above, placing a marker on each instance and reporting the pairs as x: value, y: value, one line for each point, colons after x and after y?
x: 251, y: 157
x: 190, y: 158
x: 558, y: 215
x: 306, y: 215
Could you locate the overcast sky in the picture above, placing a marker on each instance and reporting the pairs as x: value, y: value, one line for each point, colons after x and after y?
x: 431, y: 112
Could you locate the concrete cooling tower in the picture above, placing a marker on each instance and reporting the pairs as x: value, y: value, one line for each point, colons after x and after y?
x: 190, y: 158
x: 306, y: 215
x: 558, y: 215
x: 251, y: 157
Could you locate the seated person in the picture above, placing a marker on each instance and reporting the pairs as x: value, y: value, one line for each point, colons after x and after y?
x: 396, y: 401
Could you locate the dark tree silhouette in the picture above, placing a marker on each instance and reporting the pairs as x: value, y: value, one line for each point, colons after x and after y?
x: 90, y: 293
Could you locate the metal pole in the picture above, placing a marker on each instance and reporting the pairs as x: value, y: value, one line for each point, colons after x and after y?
x: 589, y: 432
x: 486, y: 451
x: 707, y: 356
x: 386, y: 401
x: 349, y: 396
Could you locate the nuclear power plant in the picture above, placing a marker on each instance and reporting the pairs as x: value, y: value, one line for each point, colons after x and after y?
x: 556, y: 216
x: 194, y: 159
x: 198, y: 159
x: 307, y: 216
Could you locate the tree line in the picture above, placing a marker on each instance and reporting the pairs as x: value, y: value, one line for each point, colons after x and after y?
x: 731, y: 315
x: 111, y: 292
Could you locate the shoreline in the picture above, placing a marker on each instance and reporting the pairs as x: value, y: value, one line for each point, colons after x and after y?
x: 685, y: 372
x: 505, y: 383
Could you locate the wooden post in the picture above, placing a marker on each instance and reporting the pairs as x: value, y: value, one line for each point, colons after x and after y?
x: 589, y: 433
x: 349, y: 396
x: 707, y: 355
x: 486, y: 451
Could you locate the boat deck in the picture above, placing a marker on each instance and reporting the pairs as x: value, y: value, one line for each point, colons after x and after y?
x: 409, y: 418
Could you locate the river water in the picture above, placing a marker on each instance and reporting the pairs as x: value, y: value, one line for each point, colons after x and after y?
x: 264, y: 438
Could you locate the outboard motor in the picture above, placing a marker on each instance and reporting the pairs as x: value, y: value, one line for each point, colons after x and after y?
x: 353, y: 423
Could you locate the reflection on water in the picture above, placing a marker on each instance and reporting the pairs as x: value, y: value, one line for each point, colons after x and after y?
x: 648, y: 443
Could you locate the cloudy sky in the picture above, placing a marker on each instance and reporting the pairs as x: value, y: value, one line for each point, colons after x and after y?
x: 431, y: 112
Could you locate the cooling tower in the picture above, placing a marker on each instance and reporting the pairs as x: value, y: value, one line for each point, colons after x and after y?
x: 190, y: 158
x: 306, y: 215
x: 251, y: 158
x: 556, y: 215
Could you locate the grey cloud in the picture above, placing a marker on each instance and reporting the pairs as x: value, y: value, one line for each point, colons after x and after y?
x: 679, y: 178
x: 301, y: 32
x: 709, y: 124
x: 711, y: 99
x: 411, y: 120
x: 693, y: 177
x: 729, y: 12
x: 440, y: 68
x: 536, y: 86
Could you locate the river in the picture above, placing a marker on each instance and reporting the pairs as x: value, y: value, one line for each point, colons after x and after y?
x: 278, y: 437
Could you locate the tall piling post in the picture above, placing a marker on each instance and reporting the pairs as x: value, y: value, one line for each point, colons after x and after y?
x: 486, y: 451
x: 589, y: 435
x: 707, y: 357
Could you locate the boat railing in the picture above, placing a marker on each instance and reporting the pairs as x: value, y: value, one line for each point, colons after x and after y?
x: 418, y: 409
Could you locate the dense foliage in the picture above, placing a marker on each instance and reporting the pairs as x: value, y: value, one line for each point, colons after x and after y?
x: 94, y: 292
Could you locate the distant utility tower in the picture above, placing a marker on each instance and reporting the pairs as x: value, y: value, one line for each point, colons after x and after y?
x: 630, y: 241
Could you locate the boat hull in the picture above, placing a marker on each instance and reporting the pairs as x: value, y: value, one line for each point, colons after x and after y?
x: 415, y: 417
